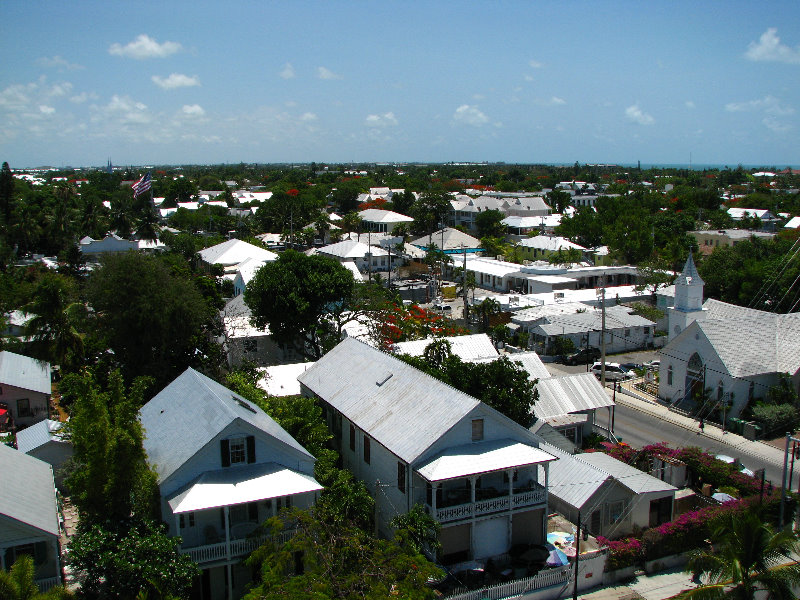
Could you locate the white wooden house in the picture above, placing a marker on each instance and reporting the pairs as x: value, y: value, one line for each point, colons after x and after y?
x: 415, y: 440
x: 29, y: 515
x: 224, y: 466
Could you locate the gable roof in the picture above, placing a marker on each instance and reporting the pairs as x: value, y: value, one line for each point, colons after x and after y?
x: 570, y: 394
x: 632, y: 478
x: 190, y: 412
x: 351, y: 249
x: 233, y: 252
x: 446, y: 239
x: 28, y: 494
x: 376, y: 215
x: 25, y: 372
x: 773, y: 340
x: 402, y: 408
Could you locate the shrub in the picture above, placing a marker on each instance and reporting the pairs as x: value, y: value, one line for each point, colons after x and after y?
x: 622, y: 553
x: 776, y: 418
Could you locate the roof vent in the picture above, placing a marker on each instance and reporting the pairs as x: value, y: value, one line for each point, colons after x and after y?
x: 244, y: 404
x: 383, y: 379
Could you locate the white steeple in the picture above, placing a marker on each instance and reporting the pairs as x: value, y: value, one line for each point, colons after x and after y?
x: 688, y: 299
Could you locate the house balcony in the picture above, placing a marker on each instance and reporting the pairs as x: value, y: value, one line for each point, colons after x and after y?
x: 224, y: 552
x: 457, y: 505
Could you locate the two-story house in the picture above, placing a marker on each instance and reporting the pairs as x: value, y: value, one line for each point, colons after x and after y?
x: 415, y: 440
x: 224, y: 467
x: 29, y: 516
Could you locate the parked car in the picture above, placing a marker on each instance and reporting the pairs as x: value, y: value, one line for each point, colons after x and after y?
x: 735, y: 462
x: 443, y: 307
x: 652, y: 364
x: 584, y: 356
x: 631, y: 366
x: 614, y: 372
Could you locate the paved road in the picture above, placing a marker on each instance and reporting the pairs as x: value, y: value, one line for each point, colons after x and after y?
x: 639, y: 429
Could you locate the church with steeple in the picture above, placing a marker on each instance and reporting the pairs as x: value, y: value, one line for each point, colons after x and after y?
x: 720, y: 357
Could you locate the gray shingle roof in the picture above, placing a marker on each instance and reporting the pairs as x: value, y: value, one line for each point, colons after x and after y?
x: 772, y: 340
x: 402, y: 408
x: 24, y: 372
x: 190, y: 412
x: 27, y: 493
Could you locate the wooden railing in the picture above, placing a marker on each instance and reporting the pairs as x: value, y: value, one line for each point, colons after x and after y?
x: 492, y: 505
x: 239, y: 548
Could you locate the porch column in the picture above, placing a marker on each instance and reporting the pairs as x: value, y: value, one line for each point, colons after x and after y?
x: 228, y: 551
x: 177, y: 525
x: 510, y: 473
x: 472, y: 489
x: 434, y: 490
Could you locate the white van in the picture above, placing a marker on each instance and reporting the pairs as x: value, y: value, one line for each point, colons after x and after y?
x: 614, y: 372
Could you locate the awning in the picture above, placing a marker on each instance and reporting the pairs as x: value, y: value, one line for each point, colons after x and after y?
x: 571, y: 419
x: 239, y: 485
x: 482, y: 457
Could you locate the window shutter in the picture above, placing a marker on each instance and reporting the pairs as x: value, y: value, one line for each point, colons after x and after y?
x: 251, y: 449
x: 226, y: 453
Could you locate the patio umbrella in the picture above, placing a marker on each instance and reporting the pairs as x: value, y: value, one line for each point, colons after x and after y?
x: 557, y: 558
x: 560, y: 538
x: 722, y: 497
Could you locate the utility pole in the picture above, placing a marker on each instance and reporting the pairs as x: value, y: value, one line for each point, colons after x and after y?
x: 603, y: 333
x: 789, y: 438
x: 464, y: 287
x: 577, y: 557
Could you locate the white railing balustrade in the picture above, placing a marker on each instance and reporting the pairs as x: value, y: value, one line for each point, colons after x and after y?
x: 492, y: 505
x: 243, y: 547
x: 551, y: 577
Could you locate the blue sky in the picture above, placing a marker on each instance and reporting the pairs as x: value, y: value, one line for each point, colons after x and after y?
x: 213, y: 82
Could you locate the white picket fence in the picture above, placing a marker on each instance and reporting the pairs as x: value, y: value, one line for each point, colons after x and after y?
x: 551, y: 577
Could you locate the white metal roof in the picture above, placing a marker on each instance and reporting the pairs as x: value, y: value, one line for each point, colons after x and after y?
x: 281, y: 380
x: 351, y: 249
x: 37, y: 435
x: 481, y: 457
x: 468, y: 348
x: 233, y: 252
x: 570, y: 394
x: 793, y: 223
x: 376, y: 215
x: 632, y: 478
x: 239, y: 485
x: 552, y: 244
x: 24, y: 372
x: 27, y: 491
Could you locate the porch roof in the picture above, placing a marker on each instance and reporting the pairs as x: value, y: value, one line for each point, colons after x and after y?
x: 481, y: 457
x: 239, y: 485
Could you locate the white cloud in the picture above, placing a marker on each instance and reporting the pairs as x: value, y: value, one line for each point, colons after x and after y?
x: 46, y: 110
x: 470, y: 115
x: 385, y: 120
x: 60, y: 89
x: 769, y: 104
x: 689, y: 104
x: 556, y: 101
x: 287, y: 72
x: 57, y: 62
x: 529, y: 78
x: 535, y: 64
x: 144, y: 47
x: 635, y: 114
x: 175, y: 80
x: 308, y: 116
x: 193, y: 110
x: 83, y: 97
x: 324, y: 73
x: 769, y: 48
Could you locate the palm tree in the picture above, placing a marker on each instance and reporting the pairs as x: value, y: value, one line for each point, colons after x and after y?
x: 18, y: 583
x: 748, y: 557
x: 53, y: 324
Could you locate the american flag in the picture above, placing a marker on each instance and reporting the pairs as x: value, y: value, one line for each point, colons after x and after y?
x: 142, y: 185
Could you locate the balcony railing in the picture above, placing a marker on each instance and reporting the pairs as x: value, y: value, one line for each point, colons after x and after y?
x: 46, y: 584
x: 499, y: 503
x: 239, y: 548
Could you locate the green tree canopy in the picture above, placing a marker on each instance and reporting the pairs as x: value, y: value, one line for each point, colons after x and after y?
x: 489, y: 224
x: 299, y: 298
x: 152, y: 318
x: 130, y: 562
x: 18, y: 583
x: 748, y: 557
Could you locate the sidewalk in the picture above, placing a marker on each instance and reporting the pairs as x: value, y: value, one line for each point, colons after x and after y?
x: 759, y: 450
x: 658, y: 586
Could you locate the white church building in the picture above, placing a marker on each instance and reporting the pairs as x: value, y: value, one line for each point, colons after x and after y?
x: 737, y: 353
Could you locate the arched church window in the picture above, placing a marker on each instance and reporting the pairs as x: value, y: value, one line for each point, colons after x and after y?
x: 669, y: 375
